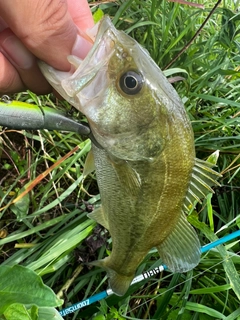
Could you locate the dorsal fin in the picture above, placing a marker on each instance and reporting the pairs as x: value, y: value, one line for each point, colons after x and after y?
x: 203, y: 178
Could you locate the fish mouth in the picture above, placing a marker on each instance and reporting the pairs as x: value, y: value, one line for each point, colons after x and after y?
x: 90, y: 79
x: 85, y: 84
x: 76, y: 85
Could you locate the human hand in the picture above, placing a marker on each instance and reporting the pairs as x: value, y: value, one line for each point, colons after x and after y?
x: 41, y: 29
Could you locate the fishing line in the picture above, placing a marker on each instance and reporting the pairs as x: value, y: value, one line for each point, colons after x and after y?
x: 145, y: 275
x: 183, y: 282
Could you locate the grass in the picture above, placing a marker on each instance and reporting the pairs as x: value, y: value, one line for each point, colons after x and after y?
x: 49, y: 231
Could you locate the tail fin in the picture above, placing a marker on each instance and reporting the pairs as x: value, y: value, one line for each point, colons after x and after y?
x: 119, y: 283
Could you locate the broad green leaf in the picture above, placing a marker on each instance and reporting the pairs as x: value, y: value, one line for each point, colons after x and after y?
x: 18, y: 312
x: 49, y: 314
x: 34, y: 312
x: 23, y: 286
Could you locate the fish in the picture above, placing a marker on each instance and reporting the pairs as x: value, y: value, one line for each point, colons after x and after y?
x: 147, y: 171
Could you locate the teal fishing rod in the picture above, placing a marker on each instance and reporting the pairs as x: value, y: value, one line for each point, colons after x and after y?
x: 145, y: 275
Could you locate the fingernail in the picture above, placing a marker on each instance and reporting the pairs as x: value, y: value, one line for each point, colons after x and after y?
x: 81, y: 47
x: 16, y: 53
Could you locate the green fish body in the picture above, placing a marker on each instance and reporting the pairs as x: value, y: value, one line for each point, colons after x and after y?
x: 145, y: 157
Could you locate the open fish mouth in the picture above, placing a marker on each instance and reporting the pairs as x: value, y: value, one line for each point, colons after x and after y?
x: 84, y: 82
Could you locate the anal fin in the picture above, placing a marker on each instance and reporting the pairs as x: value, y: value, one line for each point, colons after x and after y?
x: 180, y: 251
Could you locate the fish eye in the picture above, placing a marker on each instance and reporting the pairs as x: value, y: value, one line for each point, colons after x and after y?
x: 131, y: 82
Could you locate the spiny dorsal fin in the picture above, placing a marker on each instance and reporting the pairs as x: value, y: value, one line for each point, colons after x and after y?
x: 203, y: 178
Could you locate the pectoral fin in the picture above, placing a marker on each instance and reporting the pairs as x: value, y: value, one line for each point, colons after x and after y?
x: 128, y: 177
x: 180, y: 251
x: 203, y: 178
x: 89, y: 165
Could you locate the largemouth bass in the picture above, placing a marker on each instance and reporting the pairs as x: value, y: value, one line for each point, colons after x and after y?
x: 145, y: 158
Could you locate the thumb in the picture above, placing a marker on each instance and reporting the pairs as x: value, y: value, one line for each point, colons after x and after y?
x: 46, y: 28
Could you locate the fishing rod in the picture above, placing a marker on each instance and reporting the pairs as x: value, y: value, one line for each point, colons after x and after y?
x: 145, y: 275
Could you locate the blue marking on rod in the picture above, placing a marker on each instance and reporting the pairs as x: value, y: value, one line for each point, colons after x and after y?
x: 222, y: 240
x: 144, y: 275
x: 84, y: 303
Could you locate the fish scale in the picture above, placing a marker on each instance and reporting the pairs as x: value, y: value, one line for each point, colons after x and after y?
x: 144, y: 154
